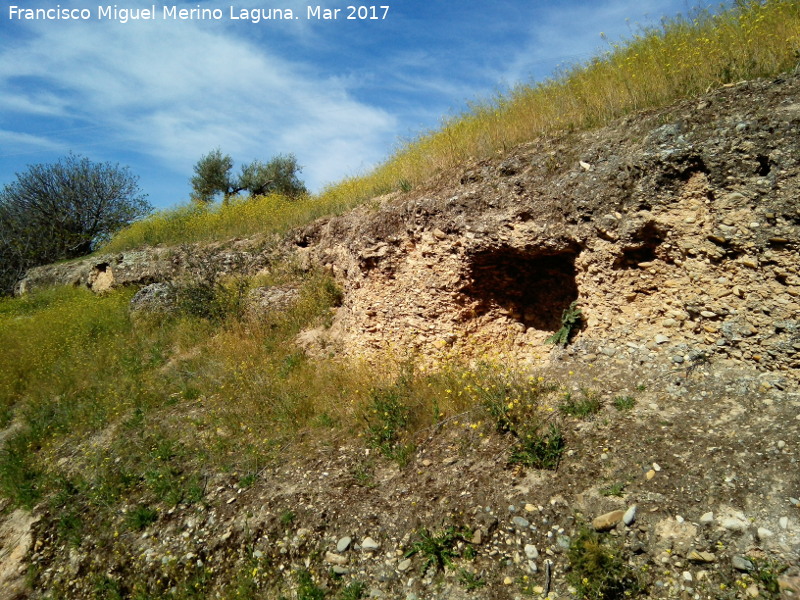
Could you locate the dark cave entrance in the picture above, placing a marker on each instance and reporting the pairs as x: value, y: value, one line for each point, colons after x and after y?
x: 534, y: 287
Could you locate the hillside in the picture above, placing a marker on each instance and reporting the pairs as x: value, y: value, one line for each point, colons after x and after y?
x: 372, y: 408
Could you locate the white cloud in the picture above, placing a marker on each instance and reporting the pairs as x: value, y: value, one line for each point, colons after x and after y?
x: 177, y: 90
x: 15, y: 143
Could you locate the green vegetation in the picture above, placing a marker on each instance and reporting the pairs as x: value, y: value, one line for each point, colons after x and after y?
x: 437, y: 550
x: 615, y: 489
x: 584, y: 406
x: 599, y: 568
x: 684, y: 57
x: 117, y: 421
x: 624, y: 402
x: 539, y: 450
x: 570, y: 322
x: 212, y: 175
x: 62, y: 210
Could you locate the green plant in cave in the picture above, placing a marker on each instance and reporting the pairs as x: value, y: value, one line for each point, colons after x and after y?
x: 571, y: 320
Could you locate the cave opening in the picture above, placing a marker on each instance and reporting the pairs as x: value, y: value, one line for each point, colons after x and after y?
x: 533, y: 287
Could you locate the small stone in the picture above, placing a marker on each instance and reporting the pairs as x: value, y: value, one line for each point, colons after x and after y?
x: 340, y: 570
x: 790, y: 586
x: 508, y: 581
x: 656, y: 467
x: 404, y: 565
x: 521, y: 522
x: 531, y: 551
x: 707, y: 314
x: 477, y: 537
x: 369, y: 545
x: 733, y: 524
x: 343, y: 544
x: 661, y: 338
x: 781, y: 444
x: 335, y: 559
x: 740, y: 563
x: 703, y: 557
x: 752, y: 590
x: 530, y: 508
x: 764, y: 533
x: 608, y: 520
x: 687, y: 577
x: 650, y: 474
x: 630, y: 516
x: 784, y: 522
x: 707, y: 518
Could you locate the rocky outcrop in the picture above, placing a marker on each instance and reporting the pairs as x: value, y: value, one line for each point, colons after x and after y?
x: 675, y: 231
x: 152, y: 265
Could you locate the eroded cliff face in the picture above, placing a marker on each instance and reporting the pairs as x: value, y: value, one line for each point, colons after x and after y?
x: 675, y: 231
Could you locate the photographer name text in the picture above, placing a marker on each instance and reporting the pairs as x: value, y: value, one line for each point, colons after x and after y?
x: 112, y: 12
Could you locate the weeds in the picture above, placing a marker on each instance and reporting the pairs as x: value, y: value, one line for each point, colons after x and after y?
x: 141, y: 517
x: 437, y: 550
x: 599, y: 569
x: 353, y: 591
x: 539, y: 450
x: 624, y: 402
x: 588, y: 404
x: 615, y: 489
x: 571, y: 320
x: 766, y: 573
x: 306, y: 588
x: 471, y: 581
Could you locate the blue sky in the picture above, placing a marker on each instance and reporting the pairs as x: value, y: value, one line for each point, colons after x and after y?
x: 157, y: 94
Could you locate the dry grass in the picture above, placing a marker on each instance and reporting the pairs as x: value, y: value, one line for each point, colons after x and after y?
x: 682, y: 58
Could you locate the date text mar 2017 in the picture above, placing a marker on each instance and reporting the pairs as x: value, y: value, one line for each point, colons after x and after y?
x: 350, y: 13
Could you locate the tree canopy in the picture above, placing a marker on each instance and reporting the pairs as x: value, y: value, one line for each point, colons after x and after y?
x: 213, y: 175
x: 63, y: 210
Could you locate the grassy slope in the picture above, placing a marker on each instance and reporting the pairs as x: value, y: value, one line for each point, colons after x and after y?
x: 683, y: 58
x: 144, y: 411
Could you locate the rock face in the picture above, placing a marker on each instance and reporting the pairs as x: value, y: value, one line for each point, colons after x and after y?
x: 152, y: 265
x: 679, y: 242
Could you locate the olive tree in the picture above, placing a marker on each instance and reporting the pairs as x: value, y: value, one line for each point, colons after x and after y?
x: 63, y: 210
x: 213, y: 176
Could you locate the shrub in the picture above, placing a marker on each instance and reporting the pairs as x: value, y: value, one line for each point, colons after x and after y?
x: 571, y: 320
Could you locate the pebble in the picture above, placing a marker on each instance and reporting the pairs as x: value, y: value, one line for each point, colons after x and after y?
x: 521, y: 522
x: 705, y: 557
x: 608, y: 520
x: 661, y: 338
x: 369, y: 545
x: 404, y: 565
x: 740, y: 563
x: 733, y: 524
x: 687, y: 576
x: 340, y: 570
x: 630, y: 516
x: 707, y: 518
x: 508, y: 581
x: 343, y: 544
x: 764, y: 533
x: 650, y: 474
x: 531, y: 551
x: 781, y: 444
x: 656, y: 467
x: 335, y: 559
x: 784, y: 522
